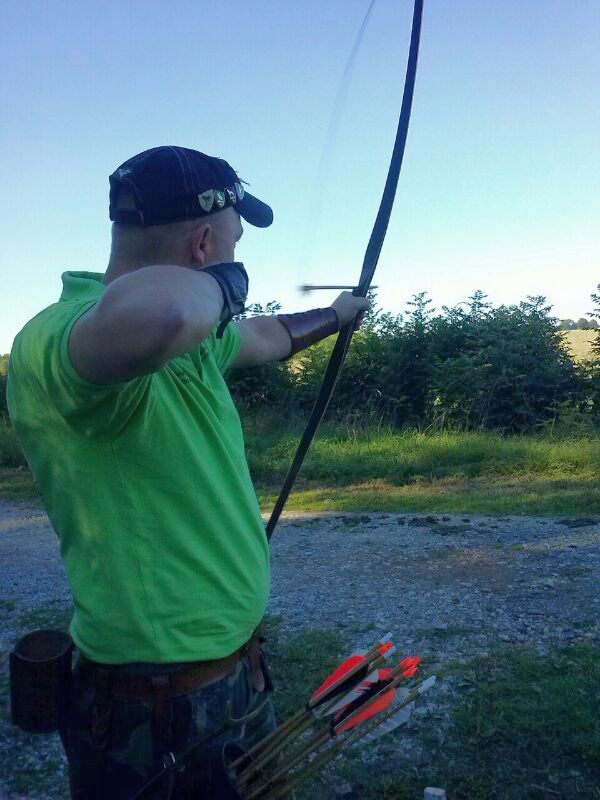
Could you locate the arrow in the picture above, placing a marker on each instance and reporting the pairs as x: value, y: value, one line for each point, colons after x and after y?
x: 312, y: 287
x: 409, y: 666
x: 399, y: 717
x: 370, y: 703
x: 300, y: 722
x: 378, y: 697
x: 381, y: 700
x: 341, y: 681
x: 401, y: 703
x: 324, y: 758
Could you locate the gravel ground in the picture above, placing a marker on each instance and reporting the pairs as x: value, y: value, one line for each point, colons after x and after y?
x: 450, y: 587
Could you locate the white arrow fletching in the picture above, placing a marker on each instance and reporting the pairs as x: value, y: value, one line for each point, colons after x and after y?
x: 391, y: 723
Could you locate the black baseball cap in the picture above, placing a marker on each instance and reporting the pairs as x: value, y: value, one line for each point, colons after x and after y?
x: 172, y: 184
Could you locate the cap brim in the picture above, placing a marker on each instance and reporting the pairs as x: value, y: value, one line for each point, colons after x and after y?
x: 255, y: 211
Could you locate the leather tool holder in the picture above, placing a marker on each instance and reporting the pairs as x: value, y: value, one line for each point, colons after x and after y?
x: 40, y: 677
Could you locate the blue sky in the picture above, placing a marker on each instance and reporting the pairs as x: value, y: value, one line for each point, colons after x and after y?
x: 500, y: 188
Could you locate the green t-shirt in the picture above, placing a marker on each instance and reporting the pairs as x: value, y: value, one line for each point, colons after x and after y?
x: 147, y: 487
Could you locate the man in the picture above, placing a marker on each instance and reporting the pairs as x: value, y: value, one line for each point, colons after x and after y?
x: 117, y: 395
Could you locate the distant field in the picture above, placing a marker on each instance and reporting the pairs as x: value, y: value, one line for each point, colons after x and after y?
x: 580, y: 343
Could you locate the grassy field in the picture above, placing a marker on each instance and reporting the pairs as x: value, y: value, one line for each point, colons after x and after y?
x: 520, y: 727
x: 467, y: 472
x: 579, y: 343
x: 385, y: 470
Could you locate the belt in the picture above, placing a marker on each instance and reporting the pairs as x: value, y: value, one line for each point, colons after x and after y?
x: 197, y: 675
x: 163, y: 688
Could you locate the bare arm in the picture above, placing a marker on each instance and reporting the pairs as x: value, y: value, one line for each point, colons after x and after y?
x: 264, y: 339
x: 144, y: 319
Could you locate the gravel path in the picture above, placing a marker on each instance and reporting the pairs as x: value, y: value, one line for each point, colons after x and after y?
x: 450, y: 587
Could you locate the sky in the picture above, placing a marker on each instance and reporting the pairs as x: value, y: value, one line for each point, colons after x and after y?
x: 500, y: 186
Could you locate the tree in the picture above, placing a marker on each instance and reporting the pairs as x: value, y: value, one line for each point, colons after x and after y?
x: 567, y: 325
x: 596, y: 313
x: 3, y: 380
x: 509, y: 371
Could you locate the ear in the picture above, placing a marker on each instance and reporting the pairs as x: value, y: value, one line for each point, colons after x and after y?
x: 201, y: 244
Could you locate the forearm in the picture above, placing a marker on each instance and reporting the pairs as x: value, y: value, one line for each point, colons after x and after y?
x: 276, y: 338
x: 264, y: 339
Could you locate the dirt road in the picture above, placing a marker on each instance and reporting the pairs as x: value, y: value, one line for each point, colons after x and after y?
x: 450, y: 587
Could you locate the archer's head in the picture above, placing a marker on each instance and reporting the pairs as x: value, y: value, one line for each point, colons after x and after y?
x: 173, y: 205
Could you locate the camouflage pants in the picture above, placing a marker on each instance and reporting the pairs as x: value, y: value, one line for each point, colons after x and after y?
x: 115, y: 759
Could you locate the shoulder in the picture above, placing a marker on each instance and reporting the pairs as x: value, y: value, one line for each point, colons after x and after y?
x: 35, y: 342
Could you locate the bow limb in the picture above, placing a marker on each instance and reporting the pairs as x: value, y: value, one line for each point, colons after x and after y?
x: 371, y: 258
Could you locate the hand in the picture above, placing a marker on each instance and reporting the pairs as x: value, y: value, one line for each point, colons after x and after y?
x: 348, y: 308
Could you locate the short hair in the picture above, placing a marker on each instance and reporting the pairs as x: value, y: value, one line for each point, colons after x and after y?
x: 155, y: 244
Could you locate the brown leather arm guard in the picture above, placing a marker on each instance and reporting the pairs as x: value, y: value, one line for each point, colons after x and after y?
x: 308, y: 327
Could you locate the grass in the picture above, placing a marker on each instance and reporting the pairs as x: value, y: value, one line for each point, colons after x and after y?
x: 386, y: 470
x: 17, y: 484
x: 525, y: 727
x: 529, y: 497
x: 11, y: 454
x: 437, y: 473
x: 404, y: 457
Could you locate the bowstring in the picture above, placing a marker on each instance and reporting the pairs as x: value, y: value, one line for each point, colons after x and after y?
x: 313, y: 224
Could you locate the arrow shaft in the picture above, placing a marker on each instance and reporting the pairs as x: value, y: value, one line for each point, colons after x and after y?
x: 268, y: 748
x: 318, y: 740
x: 327, y: 756
x: 311, y: 287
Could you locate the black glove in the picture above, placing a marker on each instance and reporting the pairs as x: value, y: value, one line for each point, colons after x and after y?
x: 233, y: 280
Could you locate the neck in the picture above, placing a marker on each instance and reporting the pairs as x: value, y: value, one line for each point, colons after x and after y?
x: 116, y: 268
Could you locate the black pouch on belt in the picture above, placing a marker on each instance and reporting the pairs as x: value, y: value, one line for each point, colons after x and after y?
x: 40, y: 677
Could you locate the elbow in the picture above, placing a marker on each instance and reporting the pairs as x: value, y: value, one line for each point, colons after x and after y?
x: 178, y: 333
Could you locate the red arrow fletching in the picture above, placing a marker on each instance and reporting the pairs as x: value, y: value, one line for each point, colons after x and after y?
x: 339, y: 672
x: 352, y: 662
x: 383, y: 701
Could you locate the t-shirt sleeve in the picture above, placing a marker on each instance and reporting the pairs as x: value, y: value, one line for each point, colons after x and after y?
x: 224, y: 350
x: 93, y: 407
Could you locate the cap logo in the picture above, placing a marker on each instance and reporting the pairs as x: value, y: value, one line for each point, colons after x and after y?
x: 219, y: 198
x: 123, y: 172
x: 239, y: 190
x: 207, y: 200
x: 232, y: 196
